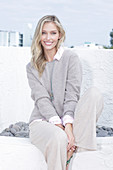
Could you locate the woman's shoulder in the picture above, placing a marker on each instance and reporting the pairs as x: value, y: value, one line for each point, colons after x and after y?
x: 29, y: 66
x: 69, y: 53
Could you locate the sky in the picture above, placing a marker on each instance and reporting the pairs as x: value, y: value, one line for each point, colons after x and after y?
x: 83, y: 20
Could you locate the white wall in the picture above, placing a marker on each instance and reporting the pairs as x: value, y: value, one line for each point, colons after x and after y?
x: 98, y: 71
x: 15, y: 101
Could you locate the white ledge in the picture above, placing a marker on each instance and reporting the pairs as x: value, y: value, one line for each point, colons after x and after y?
x: 20, y: 154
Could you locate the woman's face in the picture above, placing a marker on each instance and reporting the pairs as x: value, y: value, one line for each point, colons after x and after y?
x: 50, y: 36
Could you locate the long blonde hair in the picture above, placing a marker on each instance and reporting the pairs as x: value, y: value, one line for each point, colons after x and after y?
x: 38, y: 59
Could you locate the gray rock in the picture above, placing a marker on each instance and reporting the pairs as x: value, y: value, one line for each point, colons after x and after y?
x: 108, y: 129
x: 16, y: 127
x: 6, y: 134
x: 7, y: 129
x: 11, y: 126
x: 103, y: 127
x: 21, y: 134
x: 13, y: 131
x: 20, y: 123
x: 102, y: 133
x: 21, y: 129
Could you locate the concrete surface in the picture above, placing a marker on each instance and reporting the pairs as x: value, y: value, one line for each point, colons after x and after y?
x: 102, y: 159
x: 20, y: 154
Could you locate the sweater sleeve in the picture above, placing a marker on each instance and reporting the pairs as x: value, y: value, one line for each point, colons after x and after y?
x: 41, y: 97
x: 73, y: 85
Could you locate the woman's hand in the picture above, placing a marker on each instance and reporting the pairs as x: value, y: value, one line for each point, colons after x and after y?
x: 60, y: 126
x: 71, y: 139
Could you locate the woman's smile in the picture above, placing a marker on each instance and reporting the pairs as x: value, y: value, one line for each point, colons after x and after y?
x: 48, y: 43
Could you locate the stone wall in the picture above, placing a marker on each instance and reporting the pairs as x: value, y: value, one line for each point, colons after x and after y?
x: 15, y: 102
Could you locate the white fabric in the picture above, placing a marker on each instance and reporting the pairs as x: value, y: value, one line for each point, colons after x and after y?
x: 67, y: 119
x: 51, y: 139
x: 55, y: 120
x: 59, y: 53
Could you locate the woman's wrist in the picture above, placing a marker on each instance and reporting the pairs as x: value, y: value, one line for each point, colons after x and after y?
x: 60, y: 125
x: 69, y: 126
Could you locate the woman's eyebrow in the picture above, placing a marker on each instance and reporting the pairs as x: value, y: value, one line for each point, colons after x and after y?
x: 50, y: 31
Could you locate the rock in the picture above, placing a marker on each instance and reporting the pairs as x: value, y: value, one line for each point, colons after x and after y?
x: 21, y: 129
x: 22, y: 134
x: 6, y: 134
x: 16, y: 127
x: 20, y: 123
x: 103, y: 127
x: 7, y: 129
x: 11, y: 126
x: 112, y: 134
x: 108, y: 129
x: 102, y: 133
x: 13, y: 131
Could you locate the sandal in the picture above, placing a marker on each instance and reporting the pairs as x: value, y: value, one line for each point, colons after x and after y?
x: 68, y: 161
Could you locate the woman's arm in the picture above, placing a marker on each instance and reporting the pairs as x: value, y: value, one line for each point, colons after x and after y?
x: 69, y: 132
x: 72, y: 89
x: 41, y: 97
x: 72, y: 94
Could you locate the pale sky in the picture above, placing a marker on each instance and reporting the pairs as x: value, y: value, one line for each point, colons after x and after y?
x: 83, y: 20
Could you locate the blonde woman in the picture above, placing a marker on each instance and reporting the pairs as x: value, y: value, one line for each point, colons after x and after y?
x: 61, y: 122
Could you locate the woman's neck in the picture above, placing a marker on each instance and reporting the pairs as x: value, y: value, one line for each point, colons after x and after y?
x: 49, y: 54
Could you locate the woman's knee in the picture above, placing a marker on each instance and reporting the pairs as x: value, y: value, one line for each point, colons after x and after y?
x: 59, y: 137
x: 95, y: 93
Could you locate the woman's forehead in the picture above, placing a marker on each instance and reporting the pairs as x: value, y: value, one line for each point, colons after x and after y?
x: 49, y: 25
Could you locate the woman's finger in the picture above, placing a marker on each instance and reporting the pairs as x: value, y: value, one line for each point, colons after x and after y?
x: 70, y: 144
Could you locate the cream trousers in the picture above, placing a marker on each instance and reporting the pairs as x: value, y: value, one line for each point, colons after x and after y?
x: 52, y: 140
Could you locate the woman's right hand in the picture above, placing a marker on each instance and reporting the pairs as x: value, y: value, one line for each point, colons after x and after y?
x: 71, y: 138
x: 60, y: 126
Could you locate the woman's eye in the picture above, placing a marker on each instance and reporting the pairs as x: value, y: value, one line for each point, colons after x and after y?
x: 43, y: 32
x: 53, y: 33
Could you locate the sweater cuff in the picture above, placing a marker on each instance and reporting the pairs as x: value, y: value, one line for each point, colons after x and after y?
x: 67, y: 119
x: 55, y: 120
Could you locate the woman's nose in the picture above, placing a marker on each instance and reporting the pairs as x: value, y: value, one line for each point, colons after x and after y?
x: 48, y: 36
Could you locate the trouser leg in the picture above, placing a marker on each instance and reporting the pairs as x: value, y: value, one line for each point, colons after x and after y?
x: 52, y: 141
x: 87, y: 113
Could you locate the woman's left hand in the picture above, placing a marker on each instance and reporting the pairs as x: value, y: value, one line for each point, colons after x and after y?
x: 71, y: 139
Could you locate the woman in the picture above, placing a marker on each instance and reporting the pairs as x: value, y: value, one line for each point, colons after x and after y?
x: 61, y: 123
